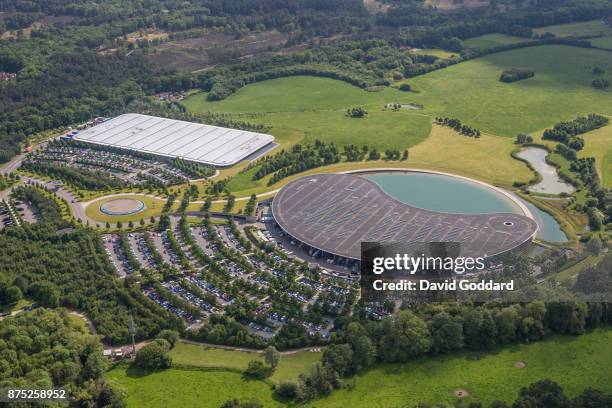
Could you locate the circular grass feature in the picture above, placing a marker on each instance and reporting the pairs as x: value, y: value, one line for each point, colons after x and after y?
x: 152, y: 207
x: 122, y: 206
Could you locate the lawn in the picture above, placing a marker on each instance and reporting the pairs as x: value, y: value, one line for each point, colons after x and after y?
x: 493, y: 40
x: 189, y: 388
x: 575, y: 362
x: 317, y: 108
x: 583, y: 29
x: 461, y: 155
x: 469, y: 91
x: 598, y: 144
x: 153, y: 207
x: 290, y: 366
x: 472, y: 92
x: 603, y: 42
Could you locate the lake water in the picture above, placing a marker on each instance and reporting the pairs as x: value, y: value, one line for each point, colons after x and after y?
x: 550, y: 183
x: 550, y: 230
x: 438, y: 192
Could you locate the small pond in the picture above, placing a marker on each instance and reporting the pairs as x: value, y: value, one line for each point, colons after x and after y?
x: 550, y: 183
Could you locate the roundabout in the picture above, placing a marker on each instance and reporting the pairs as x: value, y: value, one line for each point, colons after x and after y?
x: 122, y: 206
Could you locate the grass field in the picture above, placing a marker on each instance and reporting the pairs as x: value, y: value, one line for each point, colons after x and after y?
x: 493, y: 40
x: 189, y: 388
x: 291, y: 365
x: 575, y: 362
x: 434, y: 51
x: 461, y: 155
x: 317, y: 107
x: 598, y: 144
x: 583, y: 29
x: 153, y: 207
x: 470, y: 91
x: 603, y: 42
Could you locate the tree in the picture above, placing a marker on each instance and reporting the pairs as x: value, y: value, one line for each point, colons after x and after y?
x: 142, y: 221
x: 272, y: 356
x: 164, y: 222
x: 408, y: 337
x: 338, y: 357
x: 256, y: 369
x: 362, y: 346
x: 154, y: 355
x: 405, y: 87
x: 319, y: 381
x: 447, y: 333
x: 523, y: 138
x: 286, y: 389
x: 595, y: 245
x: 543, y: 393
x: 591, y: 398
x: 479, y: 329
x: 119, y: 224
x: 236, y: 403
x: 130, y: 224
x: 9, y: 294
x: 356, y: 112
x: 171, y: 336
x: 507, y: 321
x: 600, y: 83
x: 45, y: 294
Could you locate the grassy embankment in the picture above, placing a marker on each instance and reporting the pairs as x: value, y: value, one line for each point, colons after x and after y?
x: 575, y: 362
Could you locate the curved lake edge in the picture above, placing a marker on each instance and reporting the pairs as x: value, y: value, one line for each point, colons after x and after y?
x: 548, y: 181
x: 550, y: 229
x: 511, y: 197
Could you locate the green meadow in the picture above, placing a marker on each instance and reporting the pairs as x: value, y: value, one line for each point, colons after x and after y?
x: 470, y: 91
x: 575, y: 362
x: 598, y: 144
x: 291, y: 365
x: 317, y: 107
x: 582, y: 29
x: 603, y: 42
x: 493, y: 40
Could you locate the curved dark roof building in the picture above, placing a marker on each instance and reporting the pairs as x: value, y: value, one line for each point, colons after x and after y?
x: 336, y: 212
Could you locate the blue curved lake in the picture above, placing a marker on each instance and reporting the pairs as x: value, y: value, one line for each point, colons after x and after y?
x: 438, y: 192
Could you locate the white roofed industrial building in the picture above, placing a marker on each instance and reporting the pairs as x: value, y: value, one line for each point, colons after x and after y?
x: 212, y: 145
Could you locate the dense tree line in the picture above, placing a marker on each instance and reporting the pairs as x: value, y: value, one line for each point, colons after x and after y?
x: 564, y: 130
x: 438, y: 329
x: 45, y: 208
x: 193, y: 169
x: 598, y: 209
x: 77, y: 177
x: 72, y: 270
x: 82, y: 85
x: 225, y: 330
x: 296, y: 160
x: 459, y: 127
x: 600, y: 83
x: 516, y: 74
x: 44, y: 349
